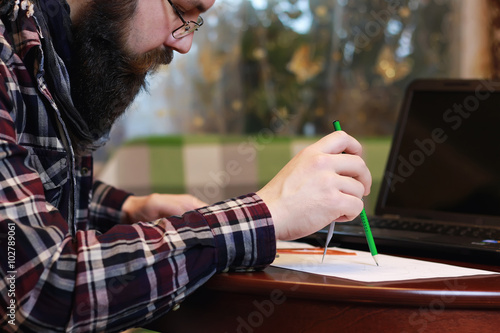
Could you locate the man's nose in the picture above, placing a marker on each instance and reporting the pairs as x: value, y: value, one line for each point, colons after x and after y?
x: 182, y: 45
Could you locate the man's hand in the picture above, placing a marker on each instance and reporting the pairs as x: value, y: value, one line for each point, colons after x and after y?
x: 155, y: 206
x: 318, y: 186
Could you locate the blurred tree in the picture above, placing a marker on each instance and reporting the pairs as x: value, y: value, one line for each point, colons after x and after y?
x: 352, y: 62
x: 495, y: 37
x: 293, y: 66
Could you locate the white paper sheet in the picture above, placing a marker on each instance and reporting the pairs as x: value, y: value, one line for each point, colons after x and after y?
x: 361, y: 267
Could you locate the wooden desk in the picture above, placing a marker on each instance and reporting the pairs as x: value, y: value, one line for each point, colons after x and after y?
x: 278, y: 300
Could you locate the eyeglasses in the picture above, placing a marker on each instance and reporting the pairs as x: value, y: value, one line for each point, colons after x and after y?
x: 187, y: 27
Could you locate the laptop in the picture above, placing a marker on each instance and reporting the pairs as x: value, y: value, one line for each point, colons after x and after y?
x: 440, y: 193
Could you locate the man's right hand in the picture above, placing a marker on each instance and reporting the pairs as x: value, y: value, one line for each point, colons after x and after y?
x: 318, y: 186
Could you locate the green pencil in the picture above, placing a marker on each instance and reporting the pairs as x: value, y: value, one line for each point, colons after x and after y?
x: 364, y: 218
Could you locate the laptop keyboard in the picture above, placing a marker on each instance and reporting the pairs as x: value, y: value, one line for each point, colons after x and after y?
x: 436, y: 228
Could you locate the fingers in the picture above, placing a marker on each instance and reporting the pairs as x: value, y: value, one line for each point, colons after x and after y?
x: 339, y: 142
x: 345, y: 198
x: 350, y: 205
x: 354, y: 167
x: 349, y: 164
x: 155, y: 206
x: 350, y: 167
x: 325, y: 181
x: 350, y: 186
x: 197, y: 203
x: 177, y: 204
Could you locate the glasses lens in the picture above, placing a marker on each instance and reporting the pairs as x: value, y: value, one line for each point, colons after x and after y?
x: 188, y: 28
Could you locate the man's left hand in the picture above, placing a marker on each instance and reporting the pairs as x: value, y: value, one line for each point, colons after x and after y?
x: 154, y: 206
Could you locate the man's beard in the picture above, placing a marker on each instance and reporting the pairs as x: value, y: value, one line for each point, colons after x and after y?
x: 105, y: 77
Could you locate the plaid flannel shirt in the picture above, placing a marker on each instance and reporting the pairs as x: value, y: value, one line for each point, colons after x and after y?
x: 66, y: 264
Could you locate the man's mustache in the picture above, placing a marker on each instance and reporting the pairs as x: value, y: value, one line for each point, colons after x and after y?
x: 150, y: 61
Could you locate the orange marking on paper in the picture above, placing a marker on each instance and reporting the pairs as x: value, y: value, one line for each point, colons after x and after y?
x: 316, y: 250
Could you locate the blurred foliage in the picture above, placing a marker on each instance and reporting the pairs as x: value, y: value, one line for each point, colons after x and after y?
x: 295, y: 65
x: 495, y: 47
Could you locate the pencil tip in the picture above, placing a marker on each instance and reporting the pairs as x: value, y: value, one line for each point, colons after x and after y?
x: 324, y: 252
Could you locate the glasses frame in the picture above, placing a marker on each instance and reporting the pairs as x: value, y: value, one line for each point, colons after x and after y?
x: 187, y: 27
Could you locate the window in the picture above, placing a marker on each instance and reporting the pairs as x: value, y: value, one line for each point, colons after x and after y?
x: 293, y: 66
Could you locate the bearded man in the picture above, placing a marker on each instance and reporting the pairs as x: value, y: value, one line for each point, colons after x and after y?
x: 81, y: 256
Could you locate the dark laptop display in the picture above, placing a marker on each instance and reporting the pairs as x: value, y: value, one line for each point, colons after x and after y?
x: 441, y: 187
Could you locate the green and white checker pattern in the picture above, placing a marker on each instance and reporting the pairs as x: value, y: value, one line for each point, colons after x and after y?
x: 215, y: 168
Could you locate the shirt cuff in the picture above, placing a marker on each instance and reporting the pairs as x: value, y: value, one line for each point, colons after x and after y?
x: 106, y: 206
x: 243, y: 231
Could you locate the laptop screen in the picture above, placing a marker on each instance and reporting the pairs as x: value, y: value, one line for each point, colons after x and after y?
x: 445, y: 158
